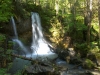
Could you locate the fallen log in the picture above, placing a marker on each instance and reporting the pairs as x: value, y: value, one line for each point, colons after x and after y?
x: 34, y: 61
x: 22, y: 57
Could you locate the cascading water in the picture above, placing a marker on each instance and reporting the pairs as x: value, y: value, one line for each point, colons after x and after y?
x: 40, y: 47
x: 16, y: 40
x: 14, y: 28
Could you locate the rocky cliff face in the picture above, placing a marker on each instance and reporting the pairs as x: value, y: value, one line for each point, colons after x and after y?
x: 24, y: 29
x: 23, y: 25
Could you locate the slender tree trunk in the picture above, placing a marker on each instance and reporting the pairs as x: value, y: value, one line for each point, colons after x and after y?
x: 88, y: 18
x: 57, y: 6
x: 37, y: 2
x: 99, y: 19
x: 73, y: 19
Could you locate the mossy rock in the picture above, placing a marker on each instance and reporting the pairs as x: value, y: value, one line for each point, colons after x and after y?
x: 98, y: 57
x: 88, y: 64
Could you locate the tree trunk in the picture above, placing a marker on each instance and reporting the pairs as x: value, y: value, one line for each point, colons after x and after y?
x: 88, y: 18
x: 57, y: 6
x: 99, y: 19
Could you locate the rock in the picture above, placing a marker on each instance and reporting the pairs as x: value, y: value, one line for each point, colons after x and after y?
x: 67, y: 54
x: 75, y: 61
x: 98, y: 61
x: 38, y: 69
x: 93, y: 58
x: 24, y: 25
x: 88, y: 64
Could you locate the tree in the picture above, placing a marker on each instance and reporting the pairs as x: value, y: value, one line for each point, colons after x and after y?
x: 99, y: 19
x: 5, y: 10
x: 88, y: 18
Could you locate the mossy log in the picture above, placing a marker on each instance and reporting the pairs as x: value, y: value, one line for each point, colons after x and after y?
x: 34, y: 61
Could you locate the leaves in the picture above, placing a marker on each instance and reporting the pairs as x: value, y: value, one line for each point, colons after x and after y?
x: 5, y: 10
x: 2, y: 37
x: 9, y: 51
x: 3, y: 71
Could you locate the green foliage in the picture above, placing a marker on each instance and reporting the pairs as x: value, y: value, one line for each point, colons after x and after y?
x: 5, y: 10
x: 97, y: 55
x: 5, y: 51
x: 18, y: 73
x: 57, y: 31
x: 82, y: 48
x: 3, y: 71
x: 75, y: 27
x: 2, y: 37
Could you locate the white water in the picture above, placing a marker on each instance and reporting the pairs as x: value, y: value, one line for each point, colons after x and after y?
x: 15, y: 39
x: 14, y: 28
x: 39, y: 45
x: 23, y: 48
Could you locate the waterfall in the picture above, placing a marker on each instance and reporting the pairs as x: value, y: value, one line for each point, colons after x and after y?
x: 16, y: 40
x: 14, y: 28
x: 40, y: 48
x: 39, y: 44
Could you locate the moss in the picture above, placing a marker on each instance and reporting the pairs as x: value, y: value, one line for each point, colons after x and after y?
x: 88, y: 64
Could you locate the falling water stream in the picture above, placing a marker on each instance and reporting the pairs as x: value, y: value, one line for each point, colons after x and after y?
x: 40, y: 47
x: 14, y: 28
x: 16, y: 40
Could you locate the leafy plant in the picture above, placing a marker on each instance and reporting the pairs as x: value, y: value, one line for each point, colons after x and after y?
x: 82, y: 48
x: 5, y: 51
x: 3, y: 71
x: 5, y: 10
x: 2, y: 37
